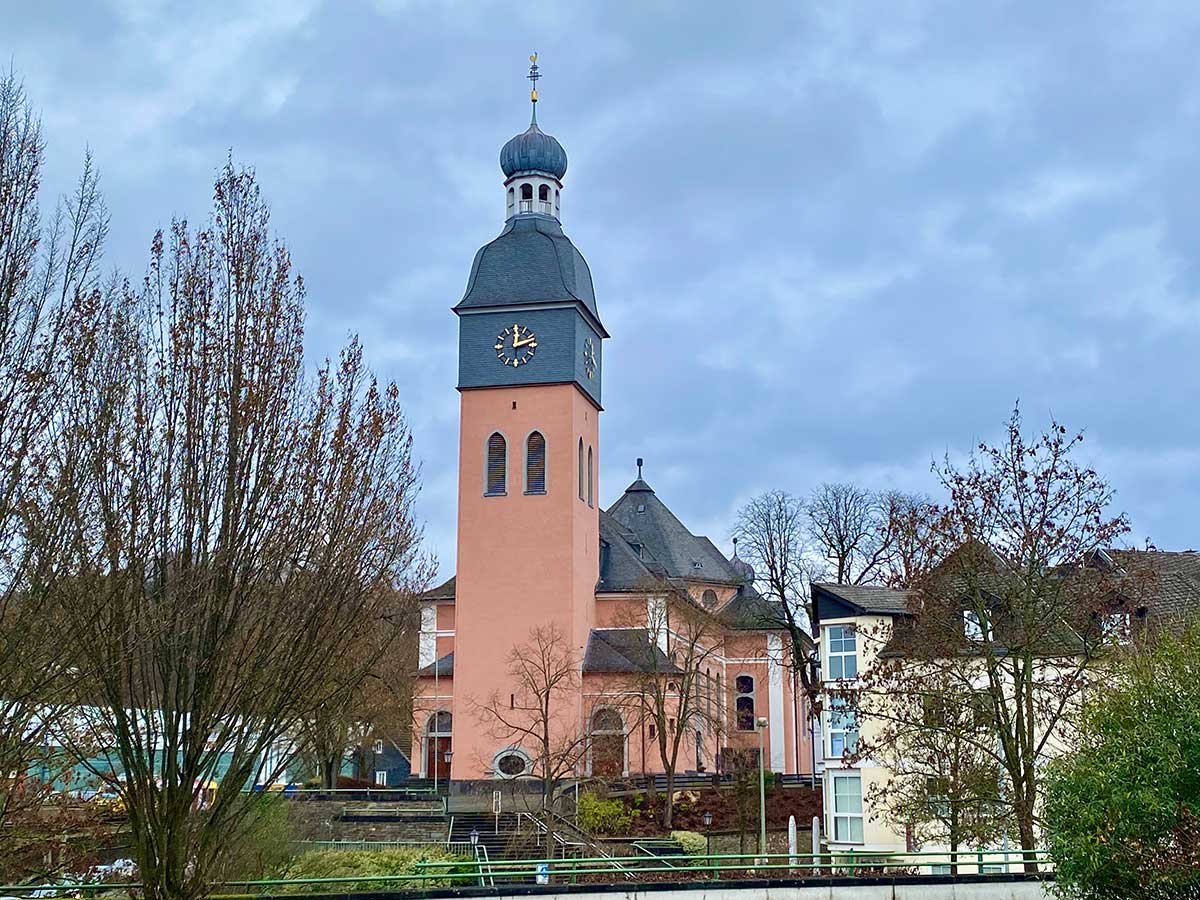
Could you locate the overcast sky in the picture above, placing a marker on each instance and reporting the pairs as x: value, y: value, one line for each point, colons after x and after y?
x: 831, y: 241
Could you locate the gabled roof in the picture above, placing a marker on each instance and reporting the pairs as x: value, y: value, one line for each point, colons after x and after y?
x: 681, y: 553
x: 625, y: 650
x: 748, y: 610
x: 443, y: 667
x: 625, y: 563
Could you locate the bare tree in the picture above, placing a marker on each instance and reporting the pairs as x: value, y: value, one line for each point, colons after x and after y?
x: 1011, y: 614
x: 848, y: 526
x: 771, y: 529
x: 48, y: 283
x: 671, y: 689
x: 238, y: 529
x: 541, y: 714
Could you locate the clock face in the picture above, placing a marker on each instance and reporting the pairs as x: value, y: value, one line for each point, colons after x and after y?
x: 589, y: 358
x: 515, y: 346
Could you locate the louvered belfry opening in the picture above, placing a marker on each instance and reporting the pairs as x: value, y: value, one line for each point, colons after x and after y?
x: 535, y: 464
x: 496, y: 463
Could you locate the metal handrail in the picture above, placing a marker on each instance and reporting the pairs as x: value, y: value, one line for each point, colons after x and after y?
x: 708, y: 866
x: 481, y: 859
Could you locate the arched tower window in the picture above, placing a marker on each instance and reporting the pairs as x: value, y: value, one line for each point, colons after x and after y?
x: 581, y: 476
x: 512, y: 200
x: 556, y: 203
x: 526, y: 198
x: 497, y: 464
x: 535, y: 464
x: 591, y: 481
x: 544, y: 198
x: 743, y: 705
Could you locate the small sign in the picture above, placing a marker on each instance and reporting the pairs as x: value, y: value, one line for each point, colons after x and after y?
x: 495, y: 803
x: 543, y: 873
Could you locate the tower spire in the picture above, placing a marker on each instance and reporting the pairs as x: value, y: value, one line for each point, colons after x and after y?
x: 533, y: 77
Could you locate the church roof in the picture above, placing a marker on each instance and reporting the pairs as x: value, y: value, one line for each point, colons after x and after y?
x: 681, y: 553
x: 531, y: 262
x: 625, y: 650
x: 749, y: 610
x: 443, y: 667
x: 444, y: 591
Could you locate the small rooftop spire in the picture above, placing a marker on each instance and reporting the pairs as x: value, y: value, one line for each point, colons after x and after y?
x: 533, y: 77
x: 639, y: 465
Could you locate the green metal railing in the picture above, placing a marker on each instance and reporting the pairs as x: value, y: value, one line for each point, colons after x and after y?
x: 704, y: 867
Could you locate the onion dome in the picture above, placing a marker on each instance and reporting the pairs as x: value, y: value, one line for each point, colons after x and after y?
x: 533, y: 151
x: 744, y: 570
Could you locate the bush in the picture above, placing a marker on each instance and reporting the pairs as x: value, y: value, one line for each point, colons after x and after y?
x: 365, y: 863
x: 693, y: 844
x: 262, y: 845
x: 1122, y: 811
x: 603, y: 816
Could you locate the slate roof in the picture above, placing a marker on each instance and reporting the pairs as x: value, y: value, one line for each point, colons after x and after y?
x: 668, y: 541
x: 1174, y: 592
x: 530, y: 262
x: 444, y: 591
x: 443, y: 667
x: 622, y: 566
x: 870, y: 599
x: 749, y: 610
x: 625, y: 650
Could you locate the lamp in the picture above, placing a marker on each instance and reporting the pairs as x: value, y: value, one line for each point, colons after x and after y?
x: 708, y: 817
x: 761, y: 723
x: 474, y: 836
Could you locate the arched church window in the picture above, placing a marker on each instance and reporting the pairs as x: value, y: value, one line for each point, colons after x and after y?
x: 512, y: 200
x: 535, y: 464
x: 591, y: 480
x: 527, y: 198
x: 607, y: 744
x: 581, y: 494
x: 743, y: 706
x: 497, y: 463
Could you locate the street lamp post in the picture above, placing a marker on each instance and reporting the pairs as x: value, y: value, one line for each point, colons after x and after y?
x: 708, y: 819
x: 762, y: 787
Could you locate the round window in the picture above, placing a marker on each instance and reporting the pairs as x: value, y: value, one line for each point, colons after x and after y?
x: 510, y: 765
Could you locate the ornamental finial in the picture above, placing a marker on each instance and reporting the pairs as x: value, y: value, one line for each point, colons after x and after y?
x: 533, y: 76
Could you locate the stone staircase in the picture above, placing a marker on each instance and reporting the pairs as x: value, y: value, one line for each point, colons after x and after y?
x: 501, y: 836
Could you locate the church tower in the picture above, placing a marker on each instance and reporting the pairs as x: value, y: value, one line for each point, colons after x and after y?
x: 529, y: 369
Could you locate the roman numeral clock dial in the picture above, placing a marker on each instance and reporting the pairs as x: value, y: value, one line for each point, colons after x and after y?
x: 515, y: 346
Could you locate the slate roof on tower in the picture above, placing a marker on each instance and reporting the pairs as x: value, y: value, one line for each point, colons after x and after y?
x: 681, y: 553
x: 531, y: 262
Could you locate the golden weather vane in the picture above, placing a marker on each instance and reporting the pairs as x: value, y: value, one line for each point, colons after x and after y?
x: 533, y: 76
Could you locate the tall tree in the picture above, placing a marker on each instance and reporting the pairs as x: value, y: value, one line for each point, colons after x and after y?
x: 541, y: 715
x: 238, y: 530
x: 771, y: 529
x: 671, y: 691
x: 48, y: 284
x: 1011, y: 612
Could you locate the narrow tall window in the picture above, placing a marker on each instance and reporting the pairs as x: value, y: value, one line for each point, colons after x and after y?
x: 743, y: 706
x: 512, y: 200
x: 591, y: 480
x: 847, y: 809
x: 535, y: 464
x: 843, y: 656
x: 497, y: 464
x: 581, y: 495
x: 544, y: 199
x: 843, y: 728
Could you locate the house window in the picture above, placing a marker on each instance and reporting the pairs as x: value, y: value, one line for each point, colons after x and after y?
x: 535, y: 464
x: 379, y: 747
x: 497, y: 462
x: 381, y: 779
x: 843, y: 728
x: 843, y: 655
x: 973, y: 629
x: 847, y: 809
x: 743, y: 705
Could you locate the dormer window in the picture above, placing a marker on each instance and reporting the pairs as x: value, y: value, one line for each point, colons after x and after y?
x: 973, y: 628
x: 527, y: 198
x: 696, y: 564
x: 544, y: 199
x: 641, y: 507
